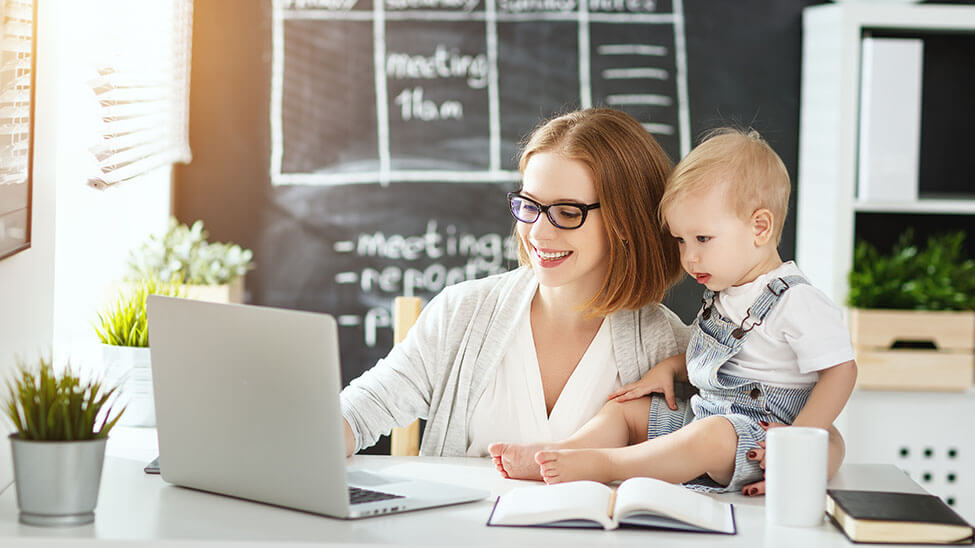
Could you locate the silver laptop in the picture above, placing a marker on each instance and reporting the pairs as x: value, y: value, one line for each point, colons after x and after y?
x: 247, y: 405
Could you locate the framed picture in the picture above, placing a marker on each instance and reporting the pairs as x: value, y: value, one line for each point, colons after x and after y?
x: 17, y: 64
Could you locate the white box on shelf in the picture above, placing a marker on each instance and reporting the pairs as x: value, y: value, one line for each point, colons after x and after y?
x: 890, y: 119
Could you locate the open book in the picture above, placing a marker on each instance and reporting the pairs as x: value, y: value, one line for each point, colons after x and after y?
x: 640, y: 502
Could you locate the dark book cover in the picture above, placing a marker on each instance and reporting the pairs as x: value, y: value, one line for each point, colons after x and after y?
x: 909, y: 517
x: 879, y: 505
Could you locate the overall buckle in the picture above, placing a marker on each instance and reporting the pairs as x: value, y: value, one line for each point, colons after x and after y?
x: 780, y: 292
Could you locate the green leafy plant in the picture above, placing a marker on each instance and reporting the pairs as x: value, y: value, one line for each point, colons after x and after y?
x: 185, y: 252
x: 44, y: 406
x: 936, y: 277
x: 125, y: 322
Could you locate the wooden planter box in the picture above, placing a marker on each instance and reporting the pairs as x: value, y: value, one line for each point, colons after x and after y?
x: 226, y: 293
x: 890, y: 353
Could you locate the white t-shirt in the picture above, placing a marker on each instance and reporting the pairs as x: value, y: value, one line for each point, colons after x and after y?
x: 803, y: 333
x: 512, y: 408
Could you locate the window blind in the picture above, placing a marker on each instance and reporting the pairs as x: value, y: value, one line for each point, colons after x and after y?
x: 15, y: 83
x: 141, y: 84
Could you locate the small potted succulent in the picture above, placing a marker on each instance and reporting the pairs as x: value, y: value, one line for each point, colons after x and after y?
x: 61, y: 425
x: 212, y: 271
x: 913, y: 314
x: 124, y: 333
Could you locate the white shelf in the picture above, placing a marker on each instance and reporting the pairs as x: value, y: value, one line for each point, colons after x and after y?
x: 947, y: 207
x: 825, y: 214
x: 829, y: 132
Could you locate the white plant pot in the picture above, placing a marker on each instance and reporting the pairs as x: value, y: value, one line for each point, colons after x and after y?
x: 129, y: 368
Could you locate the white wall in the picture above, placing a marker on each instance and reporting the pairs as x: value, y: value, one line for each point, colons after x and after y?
x: 27, y: 278
x: 81, y: 237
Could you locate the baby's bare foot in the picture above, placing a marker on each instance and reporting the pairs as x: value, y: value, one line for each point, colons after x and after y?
x: 516, y: 461
x: 574, y: 464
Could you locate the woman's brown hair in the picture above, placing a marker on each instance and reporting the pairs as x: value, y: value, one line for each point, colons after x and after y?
x: 629, y: 170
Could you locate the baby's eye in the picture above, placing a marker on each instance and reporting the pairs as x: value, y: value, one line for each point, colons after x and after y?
x: 679, y: 240
x: 703, y: 239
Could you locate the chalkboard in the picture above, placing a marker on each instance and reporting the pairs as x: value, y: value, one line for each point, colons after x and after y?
x: 402, y: 119
x: 443, y: 90
x: 363, y: 150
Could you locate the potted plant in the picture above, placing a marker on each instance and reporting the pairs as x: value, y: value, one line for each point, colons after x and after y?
x: 123, y: 331
x: 213, y: 271
x: 913, y: 314
x: 62, y: 424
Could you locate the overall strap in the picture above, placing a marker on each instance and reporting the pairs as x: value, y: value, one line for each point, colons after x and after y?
x: 766, y: 301
x: 707, y: 300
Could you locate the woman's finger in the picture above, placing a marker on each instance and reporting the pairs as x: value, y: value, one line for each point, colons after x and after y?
x: 625, y: 396
x: 754, y: 489
x: 670, y: 397
x: 636, y: 394
x: 758, y: 455
x: 622, y: 390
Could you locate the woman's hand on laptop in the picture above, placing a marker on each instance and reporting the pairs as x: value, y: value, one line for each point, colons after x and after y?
x: 349, y: 439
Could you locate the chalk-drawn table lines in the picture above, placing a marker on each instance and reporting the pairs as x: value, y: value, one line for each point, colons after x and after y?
x: 624, y: 63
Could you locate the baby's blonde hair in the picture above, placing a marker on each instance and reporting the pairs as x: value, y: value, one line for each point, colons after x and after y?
x: 754, y: 173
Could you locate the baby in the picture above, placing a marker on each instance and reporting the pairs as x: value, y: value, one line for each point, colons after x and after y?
x: 766, y: 346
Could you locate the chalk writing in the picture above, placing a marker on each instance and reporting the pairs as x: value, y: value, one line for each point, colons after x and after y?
x: 413, y: 105
x: 485, y: 254
x: 463, y: 5
x: 637, y: 6
x: 433, y: 245
x: 443, y: 63
x: 334, y: 5
x: 528, y: 6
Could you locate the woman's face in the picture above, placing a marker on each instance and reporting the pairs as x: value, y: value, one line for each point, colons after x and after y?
x: 575, y: 259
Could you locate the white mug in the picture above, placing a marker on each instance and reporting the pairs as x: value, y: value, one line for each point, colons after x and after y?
x: 795, y: 476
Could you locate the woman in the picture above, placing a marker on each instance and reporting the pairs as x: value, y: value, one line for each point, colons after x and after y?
x: 532, y: 354
x: 535, y: 352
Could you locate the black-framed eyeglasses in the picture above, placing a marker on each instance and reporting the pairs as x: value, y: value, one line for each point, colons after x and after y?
x: 563, y: 214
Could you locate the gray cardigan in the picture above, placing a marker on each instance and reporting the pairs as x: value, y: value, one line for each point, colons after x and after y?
x: 442, y: 368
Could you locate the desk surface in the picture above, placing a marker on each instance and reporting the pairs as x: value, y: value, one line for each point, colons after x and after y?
x: 136, y: 508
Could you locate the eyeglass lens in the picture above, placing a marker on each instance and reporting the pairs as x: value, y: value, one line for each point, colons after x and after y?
x: 562, y: 215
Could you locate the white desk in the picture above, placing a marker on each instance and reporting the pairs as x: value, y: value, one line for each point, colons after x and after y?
x: 139, y: 509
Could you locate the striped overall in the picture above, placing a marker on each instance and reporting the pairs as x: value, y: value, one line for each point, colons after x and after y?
x: 715, y: 340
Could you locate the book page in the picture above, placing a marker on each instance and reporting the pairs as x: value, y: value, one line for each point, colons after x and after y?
x: 652, y: 496
x: 546, y: 504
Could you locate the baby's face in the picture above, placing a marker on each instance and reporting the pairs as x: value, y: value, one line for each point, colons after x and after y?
x: 717, y: 247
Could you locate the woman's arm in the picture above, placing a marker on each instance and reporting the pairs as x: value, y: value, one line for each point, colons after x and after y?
x: 398, y: 389
x: 349, y: 438
x: 660, y: 379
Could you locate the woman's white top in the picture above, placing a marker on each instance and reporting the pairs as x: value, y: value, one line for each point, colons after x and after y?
x: 512, y: 408
x: 440, y: 371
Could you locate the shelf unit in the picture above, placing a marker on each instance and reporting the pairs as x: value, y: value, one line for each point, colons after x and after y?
x: 941, y: 207
x: 914, y: 430
x: 828, y: 130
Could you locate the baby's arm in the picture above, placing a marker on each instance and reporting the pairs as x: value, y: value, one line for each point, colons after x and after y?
x: 828, y: 396
x: 660, y: 378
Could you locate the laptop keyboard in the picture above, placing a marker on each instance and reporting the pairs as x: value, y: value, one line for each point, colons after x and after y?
x: 358, y: 495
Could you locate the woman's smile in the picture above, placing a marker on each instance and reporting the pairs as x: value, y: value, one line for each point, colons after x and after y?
x: 549, y: 258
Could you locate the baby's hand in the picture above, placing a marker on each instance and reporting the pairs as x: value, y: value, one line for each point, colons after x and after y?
x: 659, y: 379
